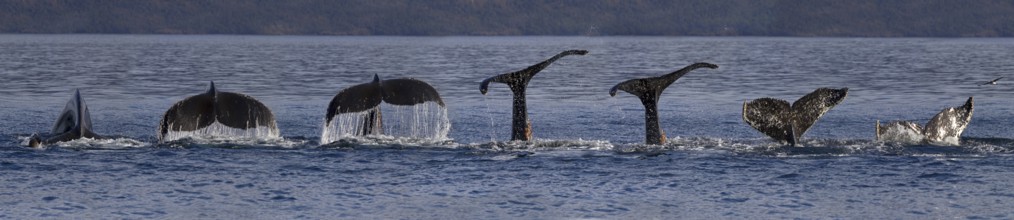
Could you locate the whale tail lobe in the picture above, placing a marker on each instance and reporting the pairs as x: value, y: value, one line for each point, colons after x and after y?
x: 367, y: 97
x: 233, y: 110
x: 518, y: 83
x: 944, y: 128
x: 648, y: 90
x: 518, y: 80
x: 949, y: 123
x: 783, y: 122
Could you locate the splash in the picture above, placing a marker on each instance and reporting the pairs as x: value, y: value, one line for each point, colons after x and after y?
x: 899, y: 133
x: 385, y: 141
x: 546, y: 145
x: 218, y: 130
x: 423, y: 121
x: 235, y: 142
x: 90, y: 143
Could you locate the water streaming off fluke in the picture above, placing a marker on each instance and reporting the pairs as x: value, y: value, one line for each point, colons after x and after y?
x: 427, y: 120
x: 219, y: 130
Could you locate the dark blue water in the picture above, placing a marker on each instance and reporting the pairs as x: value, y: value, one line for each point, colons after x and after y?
x: 587, y: 161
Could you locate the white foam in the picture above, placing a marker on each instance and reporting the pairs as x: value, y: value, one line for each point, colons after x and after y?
x: 946, y: 141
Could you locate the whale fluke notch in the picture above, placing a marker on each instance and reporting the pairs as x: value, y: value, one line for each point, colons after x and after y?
x: 233, y: 110
x: 787, y: 123
x: 521, y: 128
x: 944, y: 128
x: 368, y: 96
x: 73, y: 123
x: 649, y: 90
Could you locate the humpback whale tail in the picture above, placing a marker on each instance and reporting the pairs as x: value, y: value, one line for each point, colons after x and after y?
x: 73, y: 123
x: 944, y: 128
x: 365, y: 99
x: 649, y: 90
x: 787, y: 123
x: 521, y: 128
x: 216, y: 112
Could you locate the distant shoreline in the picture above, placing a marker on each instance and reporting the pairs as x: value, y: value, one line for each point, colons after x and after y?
x: 675, y: 18
x: 493, y: 36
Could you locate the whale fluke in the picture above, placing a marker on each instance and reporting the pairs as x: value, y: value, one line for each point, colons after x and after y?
x: 783, y: 122
x: 771, y: 117
x: 73, y: 123
x: 233, y: 110
x: 649, y: 90
x: 944, y: 128
x: 521, y: 128
x: 368, y: 96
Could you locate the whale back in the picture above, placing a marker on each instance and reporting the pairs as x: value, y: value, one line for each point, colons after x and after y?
x: 948, y: 125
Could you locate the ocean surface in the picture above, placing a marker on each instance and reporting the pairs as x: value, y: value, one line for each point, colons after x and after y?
x: 587, y: 159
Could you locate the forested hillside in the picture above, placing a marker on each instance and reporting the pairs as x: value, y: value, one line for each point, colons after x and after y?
x: 872, y: 18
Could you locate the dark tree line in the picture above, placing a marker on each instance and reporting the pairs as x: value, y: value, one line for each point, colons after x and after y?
x: 872, y: 18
